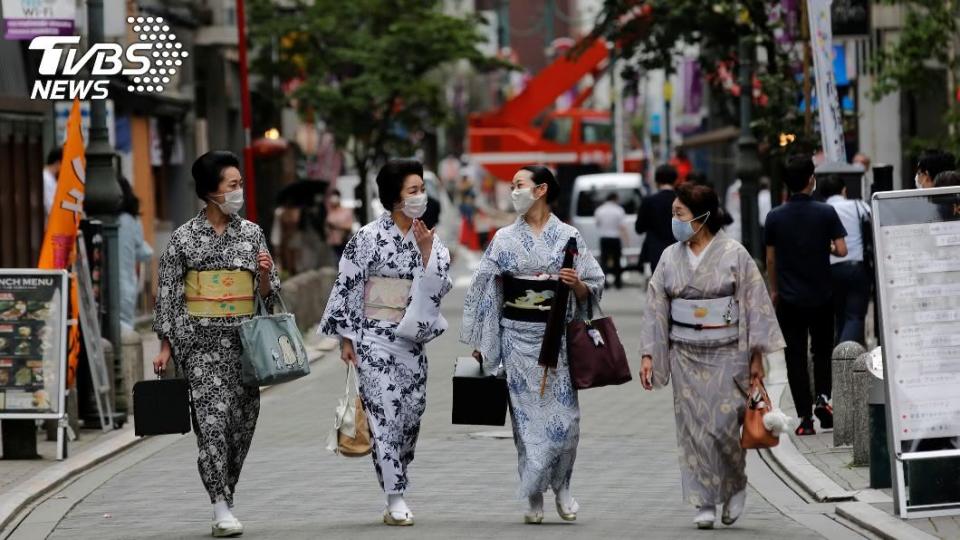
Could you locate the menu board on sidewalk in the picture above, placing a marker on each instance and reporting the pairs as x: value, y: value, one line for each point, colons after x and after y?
x: 33, y: 323
x: 918, y: 253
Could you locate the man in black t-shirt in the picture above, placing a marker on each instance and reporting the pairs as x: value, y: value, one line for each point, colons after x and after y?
x: 800, y: 236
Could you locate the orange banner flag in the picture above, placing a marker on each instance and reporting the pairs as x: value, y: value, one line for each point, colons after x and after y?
x: 60, y: 239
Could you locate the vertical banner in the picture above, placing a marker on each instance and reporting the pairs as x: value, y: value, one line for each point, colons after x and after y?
x: 821, y: 44
x: 27, y: 19
x: 60, y: 239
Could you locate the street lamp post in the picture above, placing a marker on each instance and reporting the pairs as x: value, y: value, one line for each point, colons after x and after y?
x: 748, y: 161
x: 102, y: 202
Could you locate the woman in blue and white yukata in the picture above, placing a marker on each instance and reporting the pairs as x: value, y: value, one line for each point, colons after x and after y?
x: 504, y: 318
x: 385, y: 306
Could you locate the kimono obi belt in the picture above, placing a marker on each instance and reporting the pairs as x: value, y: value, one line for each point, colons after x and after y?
x: 386, y: 299
x: 528, y: 298
x: 714, y: 319
x: 219, y: 293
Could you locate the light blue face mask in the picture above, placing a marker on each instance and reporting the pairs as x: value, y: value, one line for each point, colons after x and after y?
x: 683, y: 230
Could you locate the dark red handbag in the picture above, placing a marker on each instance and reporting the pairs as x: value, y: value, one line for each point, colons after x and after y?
x: 594, y: 352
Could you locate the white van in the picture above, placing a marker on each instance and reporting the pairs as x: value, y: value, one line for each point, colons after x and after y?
x: 590, y: 191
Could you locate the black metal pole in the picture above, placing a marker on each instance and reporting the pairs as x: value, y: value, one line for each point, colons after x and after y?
x: 748, y: 161
x: 102, y: 201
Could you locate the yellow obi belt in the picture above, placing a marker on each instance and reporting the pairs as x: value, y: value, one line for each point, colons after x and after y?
x: 219, y: 293
x: 385, y: 299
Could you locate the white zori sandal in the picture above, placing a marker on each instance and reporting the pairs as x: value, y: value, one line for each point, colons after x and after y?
x: 227, y: 528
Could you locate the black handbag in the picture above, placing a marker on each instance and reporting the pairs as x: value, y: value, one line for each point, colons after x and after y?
x: 478, y: 399
x: 161, y: 407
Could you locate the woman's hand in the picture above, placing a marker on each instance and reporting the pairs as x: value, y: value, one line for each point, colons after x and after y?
x: 264, y: 263
x: 646, y: 372
x: 478, y: 357
x: 347, y: 353
x: 160, y: 362
x: 756, y: 368
x: 571, y: 279
x: 424, y: 238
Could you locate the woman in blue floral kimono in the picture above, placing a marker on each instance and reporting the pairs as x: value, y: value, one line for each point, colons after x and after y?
x: 385, y: 306
x: 504, y: 318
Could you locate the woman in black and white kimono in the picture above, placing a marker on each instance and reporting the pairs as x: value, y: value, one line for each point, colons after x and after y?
x: 209, y: 273
x: 385, y: 306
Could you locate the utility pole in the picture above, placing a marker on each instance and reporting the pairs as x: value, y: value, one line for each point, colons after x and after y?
x: 249, y: 178
x: 667, y: 98
x: 748, y: 162
x: 102, y: 202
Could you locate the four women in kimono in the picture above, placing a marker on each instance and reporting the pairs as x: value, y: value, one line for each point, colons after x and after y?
x: 212, y: 269
x: 709, y: 321
x: 505, y: 314
x: 385, y: 306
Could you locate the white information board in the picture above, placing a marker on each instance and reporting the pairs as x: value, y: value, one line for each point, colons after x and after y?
x: 917, y: 237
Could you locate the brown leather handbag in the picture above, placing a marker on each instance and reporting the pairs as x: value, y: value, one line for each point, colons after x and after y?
x: 595, y: 353
x: 754, y: 434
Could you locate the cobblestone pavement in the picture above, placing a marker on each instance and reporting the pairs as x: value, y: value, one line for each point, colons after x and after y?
x: 463, y: 479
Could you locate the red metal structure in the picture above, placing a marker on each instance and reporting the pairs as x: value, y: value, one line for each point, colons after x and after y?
x: 508, y: 138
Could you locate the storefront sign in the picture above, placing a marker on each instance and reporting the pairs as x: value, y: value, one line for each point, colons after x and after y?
x: 917, y: 236
x: 33, y: 343
x: 850, y: 17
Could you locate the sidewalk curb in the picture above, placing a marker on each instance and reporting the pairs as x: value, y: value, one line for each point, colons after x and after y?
x: 879, y: 522
x: 854, y: 506
x: 817, y: 484
x: 18, y: 498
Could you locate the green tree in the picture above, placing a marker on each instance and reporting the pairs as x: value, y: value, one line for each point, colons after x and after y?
x: 925, y: 44
x: 654, y: 32
x: 366, y: 67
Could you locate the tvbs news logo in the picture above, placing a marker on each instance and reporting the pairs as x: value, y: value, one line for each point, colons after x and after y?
x: 150, y: 63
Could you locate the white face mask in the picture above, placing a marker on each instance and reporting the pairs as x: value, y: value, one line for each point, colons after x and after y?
x: 916, y: 180
x: 232, y: 202
x: 523, y: 199
x: 414, y: 206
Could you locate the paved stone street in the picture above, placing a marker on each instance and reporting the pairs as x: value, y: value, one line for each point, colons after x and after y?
x: 464, y: 478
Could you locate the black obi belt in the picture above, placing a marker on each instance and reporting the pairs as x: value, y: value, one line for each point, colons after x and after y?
x: 528, y: 299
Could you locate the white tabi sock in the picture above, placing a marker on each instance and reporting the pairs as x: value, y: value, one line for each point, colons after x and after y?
x: 221, y: 511
x: 566, y: 500
x: 396, y: 504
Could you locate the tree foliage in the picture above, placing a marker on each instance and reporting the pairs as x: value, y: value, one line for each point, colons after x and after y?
x: 364, y: 66
x: 924, y: 45
x: 716, y: 28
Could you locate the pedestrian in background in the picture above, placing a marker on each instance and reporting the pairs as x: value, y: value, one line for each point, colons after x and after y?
x: 504, y: 319
x: 610, y: 218
x: 851, y: 277
x: 800, y: 236
x: 385, y: 307
x: 339, y: 223
x: 947, y: 178
x: 51, y: 171
x: 654, y: 217
x: 707, y: 354
x: 209, y: 273
x: 931, y: 163
x: 133, y: 250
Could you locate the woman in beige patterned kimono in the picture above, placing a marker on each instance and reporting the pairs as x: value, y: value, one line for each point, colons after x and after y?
x: 709, y: 321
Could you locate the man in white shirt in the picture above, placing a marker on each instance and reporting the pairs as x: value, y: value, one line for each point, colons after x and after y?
x: 51, y: 171
x: 610, y: 218
x: 851, y: 275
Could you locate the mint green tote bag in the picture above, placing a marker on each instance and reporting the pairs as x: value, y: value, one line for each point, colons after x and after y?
x: 273, y: 350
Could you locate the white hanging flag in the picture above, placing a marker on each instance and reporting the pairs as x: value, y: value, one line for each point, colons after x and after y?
x: 821, y: 43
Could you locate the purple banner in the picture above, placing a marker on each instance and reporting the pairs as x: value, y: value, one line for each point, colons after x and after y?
x: 25, y: 29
